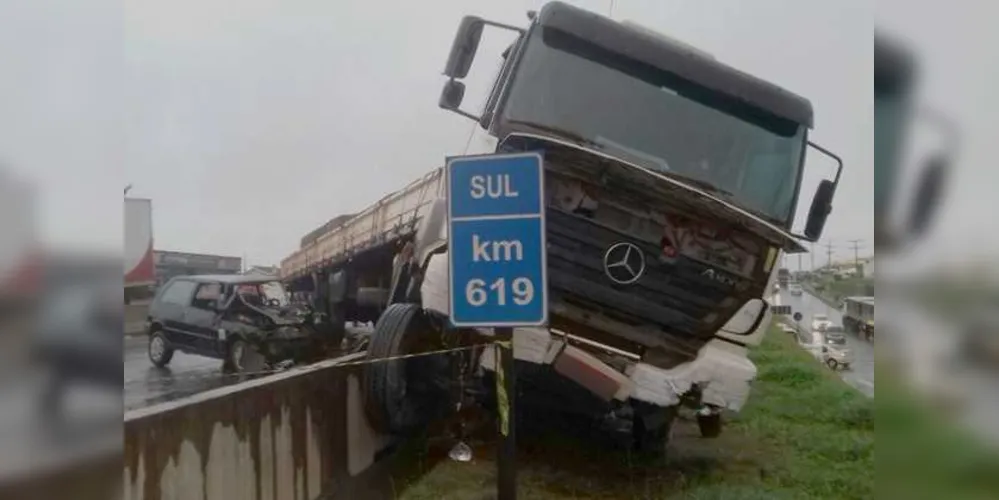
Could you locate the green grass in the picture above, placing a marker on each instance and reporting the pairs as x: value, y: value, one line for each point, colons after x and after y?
x: 833, y: 291
x: 803, y: 435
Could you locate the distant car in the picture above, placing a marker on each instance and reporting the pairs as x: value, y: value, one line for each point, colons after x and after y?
x: 820, y: 322
x: 244, y: 321
x: 795, y: 289
x: 835, y: 353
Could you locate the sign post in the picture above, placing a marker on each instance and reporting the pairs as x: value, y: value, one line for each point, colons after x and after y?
x: 497, y: 263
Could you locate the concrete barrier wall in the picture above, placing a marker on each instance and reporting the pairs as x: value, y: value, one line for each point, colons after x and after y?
x: 295, y: 435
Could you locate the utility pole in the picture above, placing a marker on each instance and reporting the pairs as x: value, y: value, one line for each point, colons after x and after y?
x: 856, y: 254
x: 829, y: 252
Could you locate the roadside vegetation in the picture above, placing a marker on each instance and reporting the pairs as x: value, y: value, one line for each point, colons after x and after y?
x: 833, y: 291
x: 804, y: 434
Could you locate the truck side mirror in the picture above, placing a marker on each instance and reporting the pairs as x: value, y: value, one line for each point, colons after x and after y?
x: 820, y: 209
x: 464, y: 46
x: 452, y: 95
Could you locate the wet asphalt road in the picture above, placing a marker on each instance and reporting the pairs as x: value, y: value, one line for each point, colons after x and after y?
x: 185, y: 375
x: 861, y: 373
x: 146, y: 385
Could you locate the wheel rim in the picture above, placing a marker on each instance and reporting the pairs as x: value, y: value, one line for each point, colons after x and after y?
x: 157, y: 348
x: 238, y: 351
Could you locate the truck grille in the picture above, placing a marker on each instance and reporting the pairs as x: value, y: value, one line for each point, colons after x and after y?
x: 679, y: 297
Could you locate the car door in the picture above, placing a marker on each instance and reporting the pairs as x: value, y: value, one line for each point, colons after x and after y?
x: 201, y: 318
x: 169, y: 311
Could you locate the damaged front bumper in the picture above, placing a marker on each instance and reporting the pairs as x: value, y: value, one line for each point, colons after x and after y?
x: 720, y: 377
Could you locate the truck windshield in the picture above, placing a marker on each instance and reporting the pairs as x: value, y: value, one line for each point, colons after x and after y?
x: 654, y: 119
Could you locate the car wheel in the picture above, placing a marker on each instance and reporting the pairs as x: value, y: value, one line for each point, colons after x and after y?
x: 832, y: 363
x: 160, y: 352
x: 242, y: 358
x: 403, y: 396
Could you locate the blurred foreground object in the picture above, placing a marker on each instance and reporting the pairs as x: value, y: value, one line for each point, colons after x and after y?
x: 140, y: 276
x: 20, y: 270
x: 895, y: 77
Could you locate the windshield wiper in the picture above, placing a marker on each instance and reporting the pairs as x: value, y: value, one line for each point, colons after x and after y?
x: 572, y: 136
x: 729, y: 196
x: 703, y: 185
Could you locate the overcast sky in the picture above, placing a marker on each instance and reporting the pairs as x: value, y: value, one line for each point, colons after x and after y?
x: 251, y: 122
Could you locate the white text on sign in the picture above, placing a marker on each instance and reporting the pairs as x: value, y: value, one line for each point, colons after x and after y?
x: 477, y: 295
x: 493, y: 186
x: 495, y: 251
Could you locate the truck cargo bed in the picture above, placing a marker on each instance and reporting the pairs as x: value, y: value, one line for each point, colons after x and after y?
x: 393, y: 217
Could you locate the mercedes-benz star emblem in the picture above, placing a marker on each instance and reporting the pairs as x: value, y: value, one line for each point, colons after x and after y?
x: 624, y: 263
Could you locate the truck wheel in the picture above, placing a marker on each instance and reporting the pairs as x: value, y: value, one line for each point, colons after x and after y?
x: 652, y: 427
x: 160, y: 352
x: 402, y: 396
x: 336, y: 330
x: 710, y: 425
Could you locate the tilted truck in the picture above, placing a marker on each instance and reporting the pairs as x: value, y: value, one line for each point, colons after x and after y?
x: 649, y: 145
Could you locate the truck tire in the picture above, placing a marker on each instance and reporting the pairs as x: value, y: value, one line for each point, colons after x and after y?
x: 403, y: 396
x: 652, y: 428
x: 710, y: 425
x: 336, y: 329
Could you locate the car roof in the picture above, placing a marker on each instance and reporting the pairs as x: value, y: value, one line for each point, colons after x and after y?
x: 226, y: 278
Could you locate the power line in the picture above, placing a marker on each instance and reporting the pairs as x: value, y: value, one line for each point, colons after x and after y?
x: 829, y: 252
x: 856, y: 253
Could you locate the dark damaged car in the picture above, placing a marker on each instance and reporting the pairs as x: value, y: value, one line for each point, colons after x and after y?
x: 247, y: 322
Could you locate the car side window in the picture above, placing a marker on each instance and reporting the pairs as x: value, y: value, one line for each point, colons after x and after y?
x: 207, y: 296
x: 178, y: 293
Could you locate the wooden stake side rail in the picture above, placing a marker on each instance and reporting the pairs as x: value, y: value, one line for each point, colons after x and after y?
x: 395, y: 215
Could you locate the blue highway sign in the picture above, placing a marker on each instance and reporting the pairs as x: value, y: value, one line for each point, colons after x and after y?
x: 496, y: 240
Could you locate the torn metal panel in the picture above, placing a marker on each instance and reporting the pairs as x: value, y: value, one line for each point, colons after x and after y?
x: 722, y: 371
